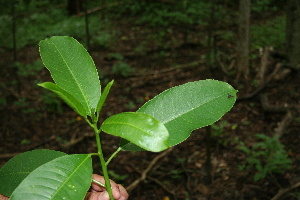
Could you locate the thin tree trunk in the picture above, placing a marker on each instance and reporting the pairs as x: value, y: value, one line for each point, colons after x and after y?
x: 293, y: 33
x: 243, y: 39
x: 102, y: 14
x: 75, y: 7
x: 87, y: 30
x: 13, y: 17
x: 210, y: 38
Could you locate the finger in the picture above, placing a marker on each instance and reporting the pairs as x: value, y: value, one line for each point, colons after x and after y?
x: 115, y: 190
x: 103, y: 196
x: 97, y: 196
x: 95, y: 187
x: 3, y: 197
x: 88, y: 195
x: 118, y: 191
x: 123, y: 193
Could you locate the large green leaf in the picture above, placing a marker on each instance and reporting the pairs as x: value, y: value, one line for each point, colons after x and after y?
x: 190, y: 106
x: 138, y: 128
x: 72, y: 69
x: 66, y: 177
x: 69, y: 99
x: 19, y: 167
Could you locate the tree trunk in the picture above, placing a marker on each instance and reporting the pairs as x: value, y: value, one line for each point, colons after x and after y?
x: 13, y: 18
x: 243, y: 39
x: 210, y: 38
x: 75, y: 7
x: 293, y: 33
x: 87, y: 30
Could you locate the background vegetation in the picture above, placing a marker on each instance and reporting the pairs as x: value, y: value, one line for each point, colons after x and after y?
x: 147, y: 47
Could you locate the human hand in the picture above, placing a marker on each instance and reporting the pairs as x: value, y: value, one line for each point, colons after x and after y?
x: 98, y: 192
x: 3, y: 197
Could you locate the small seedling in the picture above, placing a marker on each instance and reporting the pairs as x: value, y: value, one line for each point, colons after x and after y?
x: 166, y: 120
x: 121, y: 67
x: 265, y: 157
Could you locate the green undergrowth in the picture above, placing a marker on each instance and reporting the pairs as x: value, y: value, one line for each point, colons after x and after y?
x: 266, y: 157
x: 268, y: 33
x: 36, y: 20
x: 50, y: 20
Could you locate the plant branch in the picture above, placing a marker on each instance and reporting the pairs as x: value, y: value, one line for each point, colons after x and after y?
x: 102, y: 161
x: 101, y: 184
x: 113, y: 155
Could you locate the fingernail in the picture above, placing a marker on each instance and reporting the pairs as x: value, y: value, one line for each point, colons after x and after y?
x: 122, y: 198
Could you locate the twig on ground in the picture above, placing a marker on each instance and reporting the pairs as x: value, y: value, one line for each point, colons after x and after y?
x: 262, y: 84
x: 72, y: 142
x: 145, y: 172
x: 103, y: 7
x: 270, y: 108
x: 281, y: 192
x: 162, y: 185
x: 76, y: 140
x: 9, y: 155
x: 288, y: 118
x: 264, y: 63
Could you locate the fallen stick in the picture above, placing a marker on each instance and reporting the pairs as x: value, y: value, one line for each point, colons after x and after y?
x: 285, y: 190
x: 289, y: 117
x: 72, y: 142
x: 162, y: 185
x: 145, y: 172
x: 270, y: 108
x: 262, y: 85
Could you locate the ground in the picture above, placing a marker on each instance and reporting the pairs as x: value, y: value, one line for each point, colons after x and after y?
x: 29, y: 121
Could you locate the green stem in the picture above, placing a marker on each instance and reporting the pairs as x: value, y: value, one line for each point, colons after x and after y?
x: 102, y: 161
x: 113, y: 155
x: 101, y: 184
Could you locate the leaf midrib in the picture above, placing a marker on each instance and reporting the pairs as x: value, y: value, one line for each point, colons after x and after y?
x: 76, y: 81
x: 143, y: 130
x: 183, y: 113
x: 69, y: 177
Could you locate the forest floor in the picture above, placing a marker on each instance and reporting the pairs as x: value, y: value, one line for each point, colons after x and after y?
x: 29, y: 121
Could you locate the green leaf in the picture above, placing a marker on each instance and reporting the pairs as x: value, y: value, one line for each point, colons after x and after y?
x: 66, y: 97
x: 72, y: 69
x: 138, y: 128
x: 190, y: 106
x: 103, y: 96
x: 126, y: 145
x: 19, y: 167
x: 67, y: 177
